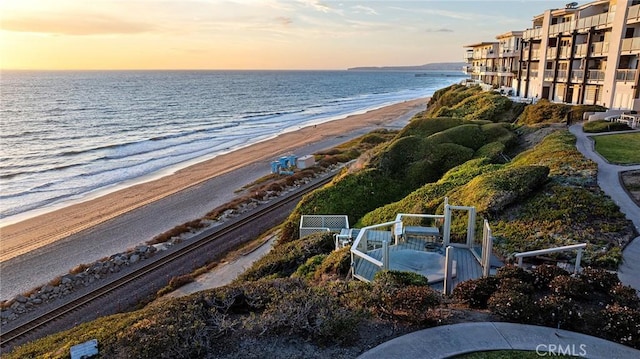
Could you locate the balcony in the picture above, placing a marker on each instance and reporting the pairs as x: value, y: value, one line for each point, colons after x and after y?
x: 468, y: 56
x: 634, y: 14
x: 581, y: 50
x: 562, y: 75
x: 532, y: 34
x: 535, y: 55
x: 577, y: 76
x: 564, y: 27
x: 599, y: 49
x: 595, y: 76
x: 565, y: 52
x: 631, y: 44
x: 626, y: 75
x: 467, y: 69
x: 548, y: 75
x: 598, y: 21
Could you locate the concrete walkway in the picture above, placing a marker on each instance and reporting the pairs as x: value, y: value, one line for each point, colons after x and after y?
x: 609, y: 181
x: 456, y: 339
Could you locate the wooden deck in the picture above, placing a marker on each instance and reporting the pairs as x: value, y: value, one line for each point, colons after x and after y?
x: 467, y: 267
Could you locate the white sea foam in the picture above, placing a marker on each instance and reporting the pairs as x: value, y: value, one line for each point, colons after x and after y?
x: 70, y: 136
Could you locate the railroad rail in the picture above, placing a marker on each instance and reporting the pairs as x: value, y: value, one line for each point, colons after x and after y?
x: 13, y: 336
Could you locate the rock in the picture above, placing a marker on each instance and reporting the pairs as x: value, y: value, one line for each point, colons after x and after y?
x: 21, y: 298
x: 36, y: 301
x: 6, y: 314
x: 65, y: 280
x: 134, y: 258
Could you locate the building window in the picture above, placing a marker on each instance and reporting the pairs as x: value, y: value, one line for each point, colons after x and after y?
x: 629, y: 33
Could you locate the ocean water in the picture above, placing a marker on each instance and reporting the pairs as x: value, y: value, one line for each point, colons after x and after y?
x: 67, y: 134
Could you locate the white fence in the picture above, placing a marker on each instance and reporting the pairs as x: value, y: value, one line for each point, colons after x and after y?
x: 580, y: 247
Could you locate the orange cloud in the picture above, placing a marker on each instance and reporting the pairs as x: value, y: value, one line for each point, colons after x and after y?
x: 79, y: 25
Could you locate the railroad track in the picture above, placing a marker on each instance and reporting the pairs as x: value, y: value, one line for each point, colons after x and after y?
x: 13, y: 336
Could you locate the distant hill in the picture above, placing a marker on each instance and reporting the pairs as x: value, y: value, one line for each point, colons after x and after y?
x: 437, y: 66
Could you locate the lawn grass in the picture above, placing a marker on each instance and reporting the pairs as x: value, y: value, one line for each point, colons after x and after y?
x: 620, y: 149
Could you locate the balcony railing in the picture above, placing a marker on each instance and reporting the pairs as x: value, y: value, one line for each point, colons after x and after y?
x: 577, y: 75
x: 626, y: 75
x: 565, y: 52
x: 595, y: 21
x: 532, y: 33
x: 634, y: 13
x: 562, y: 75
x: 561, y: 27
x: 535, y: 54
x: 631, y: 44
x: 548, y: 75
x: 581, y: 50
x: 599, y: 48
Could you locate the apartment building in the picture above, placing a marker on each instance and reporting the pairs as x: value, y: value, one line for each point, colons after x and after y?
x: 495, y: 63
x: 580, y: 54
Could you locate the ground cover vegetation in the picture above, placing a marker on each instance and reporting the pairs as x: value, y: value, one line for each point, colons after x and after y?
x: 604, y: 126
x: 299, y: 299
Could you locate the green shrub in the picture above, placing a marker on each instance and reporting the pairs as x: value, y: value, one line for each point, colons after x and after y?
x: 425, y: 127
x: 577, y: 111
x: 476, y: 292
x: 337, y: 263
x: 545, y: 273
x: 514, y: 272
x: 399, y: 154
x: 604, y: 126
x: 493, y: 192
x: 470, y: 136
x: 493, y: 151
x: 499, y: 132
x: 512, y: 305
x: 625, y: 296
x: 397, y: 279
x: 620, y: 324
x: 515, y: 284
x: 403, y: 296
x: 310, y: 313
x: 308, y: 269
x: 599, y: 279
x: 284, y: 259
x: 559, y: 312
x: 570, y: 287
x: 544, y: 111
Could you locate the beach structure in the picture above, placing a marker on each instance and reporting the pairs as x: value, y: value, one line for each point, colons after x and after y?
x: 579, y: 54
x: 284, y: 165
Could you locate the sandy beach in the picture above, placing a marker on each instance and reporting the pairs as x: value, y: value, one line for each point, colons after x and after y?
x: 28, y: 235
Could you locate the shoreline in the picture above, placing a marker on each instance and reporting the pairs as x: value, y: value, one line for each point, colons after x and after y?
x: 25, y: 236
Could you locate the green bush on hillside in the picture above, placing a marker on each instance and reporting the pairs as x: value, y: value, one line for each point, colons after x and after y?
x: 558, y: 152
x: 493, y: 192
x: 501, y: 132
x: 544, y: 111
x: 429, y: 197
x: 470, y: 136
x: 493, y: 151
x: 488, y: 106
x: 449, y: 97
x: 283, y: 260
x: 426, y: 126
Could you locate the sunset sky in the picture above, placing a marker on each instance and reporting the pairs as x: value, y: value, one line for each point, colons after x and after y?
x: 259, y: 34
